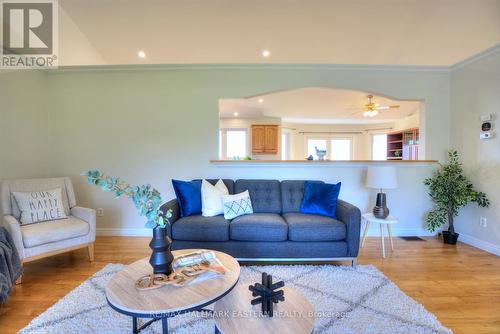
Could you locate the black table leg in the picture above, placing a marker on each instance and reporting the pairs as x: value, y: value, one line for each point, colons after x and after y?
x: 134, y: 325
x: 164, y: 325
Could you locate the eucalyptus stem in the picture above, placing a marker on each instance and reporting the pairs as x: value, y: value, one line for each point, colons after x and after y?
x: 147, y: 200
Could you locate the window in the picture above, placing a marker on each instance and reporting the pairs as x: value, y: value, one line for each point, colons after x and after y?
x: 285, y: 146
x: 232, y: 143
x: 336, y: 148
x: 379, y: 147
x: 340, y: 149
x: 312, y: 144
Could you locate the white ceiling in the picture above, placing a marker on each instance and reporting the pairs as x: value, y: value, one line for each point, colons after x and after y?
x: 388, y: 32
x: 315, y: 105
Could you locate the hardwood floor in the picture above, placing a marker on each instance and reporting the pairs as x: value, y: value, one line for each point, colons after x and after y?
x: 460, y: 285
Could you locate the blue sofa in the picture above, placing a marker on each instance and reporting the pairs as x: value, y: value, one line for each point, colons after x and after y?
x: 277, y: 231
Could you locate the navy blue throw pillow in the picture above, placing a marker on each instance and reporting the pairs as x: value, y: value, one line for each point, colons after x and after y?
x: 188, y: 195
x: 320, y: 199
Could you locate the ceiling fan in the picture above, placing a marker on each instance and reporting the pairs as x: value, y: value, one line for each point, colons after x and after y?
x: 372, y: 109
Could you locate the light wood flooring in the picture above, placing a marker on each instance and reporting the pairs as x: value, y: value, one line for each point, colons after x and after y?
x: 460, y: 285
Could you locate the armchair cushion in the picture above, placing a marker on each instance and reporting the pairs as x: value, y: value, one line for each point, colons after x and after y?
x: 53, y: 231
x: 9, y: 204
x: 38, y: 206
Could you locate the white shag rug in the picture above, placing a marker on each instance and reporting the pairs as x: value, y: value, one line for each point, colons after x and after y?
x: 346, y: 300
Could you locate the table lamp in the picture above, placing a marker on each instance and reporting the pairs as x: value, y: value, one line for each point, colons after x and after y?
x: 381, y: 177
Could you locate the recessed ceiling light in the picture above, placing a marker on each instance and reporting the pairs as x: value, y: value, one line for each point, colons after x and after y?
x: 141, y: 54
x: 266, y: 53
x: 235, y: 114
x: 261, y: 100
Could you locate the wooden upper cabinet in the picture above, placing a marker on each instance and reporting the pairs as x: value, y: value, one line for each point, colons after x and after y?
x: 258, y: 138
x: 265, y: 139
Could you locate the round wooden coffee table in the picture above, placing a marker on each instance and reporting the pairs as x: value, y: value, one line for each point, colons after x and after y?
x: 169, y: 300
x: 235, y: 314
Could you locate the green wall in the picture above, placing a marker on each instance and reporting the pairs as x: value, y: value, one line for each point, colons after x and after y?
x: 23, y: 124
x: 152, y: 124
x: 475, y: 90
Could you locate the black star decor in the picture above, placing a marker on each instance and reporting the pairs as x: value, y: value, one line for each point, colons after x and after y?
x: 267, y: 294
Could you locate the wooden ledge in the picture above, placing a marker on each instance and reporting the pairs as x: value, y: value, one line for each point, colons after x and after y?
x: 318, y: 163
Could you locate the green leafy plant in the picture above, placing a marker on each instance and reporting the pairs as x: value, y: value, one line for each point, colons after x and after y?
x: 147, y: 199
x: 450, y: 190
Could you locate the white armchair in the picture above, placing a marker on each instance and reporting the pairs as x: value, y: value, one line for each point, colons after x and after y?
x: 48, y: 238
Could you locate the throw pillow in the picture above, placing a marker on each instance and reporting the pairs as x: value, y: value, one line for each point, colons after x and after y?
x: 211, y: 198
x: 188, y: 195
x: 320, y: 198
x: 237, y: 205
x: 39, y: 206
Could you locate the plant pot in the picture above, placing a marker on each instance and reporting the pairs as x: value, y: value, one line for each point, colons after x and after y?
x: 161, y: 258
x: 449, y: 238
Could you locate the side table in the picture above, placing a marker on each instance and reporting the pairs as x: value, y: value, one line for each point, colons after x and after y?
x: 388, y: 222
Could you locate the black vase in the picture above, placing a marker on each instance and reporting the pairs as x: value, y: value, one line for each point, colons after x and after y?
x: 161, y: 258
x: 380, y: 210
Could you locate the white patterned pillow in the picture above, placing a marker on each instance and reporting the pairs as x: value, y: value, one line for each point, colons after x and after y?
x: 39, y: 206
x: 237, y: 205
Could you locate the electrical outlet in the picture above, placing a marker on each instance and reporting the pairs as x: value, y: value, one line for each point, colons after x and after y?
x: 100, y: 212
x: 483, y: 222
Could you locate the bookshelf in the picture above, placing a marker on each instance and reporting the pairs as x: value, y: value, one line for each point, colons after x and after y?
x: 403, y: 145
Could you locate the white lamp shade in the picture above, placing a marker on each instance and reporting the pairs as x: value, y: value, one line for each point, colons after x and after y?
x: 381, y: 177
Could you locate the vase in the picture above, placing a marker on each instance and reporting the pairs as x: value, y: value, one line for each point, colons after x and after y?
x: 380, y: 210
x: 161, y: 257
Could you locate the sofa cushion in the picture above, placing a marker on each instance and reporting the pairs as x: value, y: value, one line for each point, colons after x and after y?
x: 292, y: 193
x: 237, y: 205
x: 259, y: 227
x: 264, y: 194
x: 307, y: 227
x: 188, y: 195
x: 320, y: 199
x: 211, y: 198
x: 53, y: 231
x: 227, y: 182
x: 199, y: 228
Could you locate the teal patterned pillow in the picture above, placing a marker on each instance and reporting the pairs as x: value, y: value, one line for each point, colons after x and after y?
x: 237, y: 205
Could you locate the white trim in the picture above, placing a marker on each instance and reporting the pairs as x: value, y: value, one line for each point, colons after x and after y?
x: 326, y: 67
x: 478, y: 243
x: 363, y: 67
x: 321, y: 163
x: 475, y: 57
x: 399, y: 231
x: 124, y: 232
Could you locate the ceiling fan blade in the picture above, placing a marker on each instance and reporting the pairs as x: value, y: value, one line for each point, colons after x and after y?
x: 394, y: 106
x: 382, y: 108
x: 356, y: 112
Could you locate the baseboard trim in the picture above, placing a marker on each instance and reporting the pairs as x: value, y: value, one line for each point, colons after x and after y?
x: 124, y: 232
x: 478, y: 243
x: 374, y: 231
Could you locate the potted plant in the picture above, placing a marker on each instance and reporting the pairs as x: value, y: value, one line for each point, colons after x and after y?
x: 450, y: 190
x: 147, y: 200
